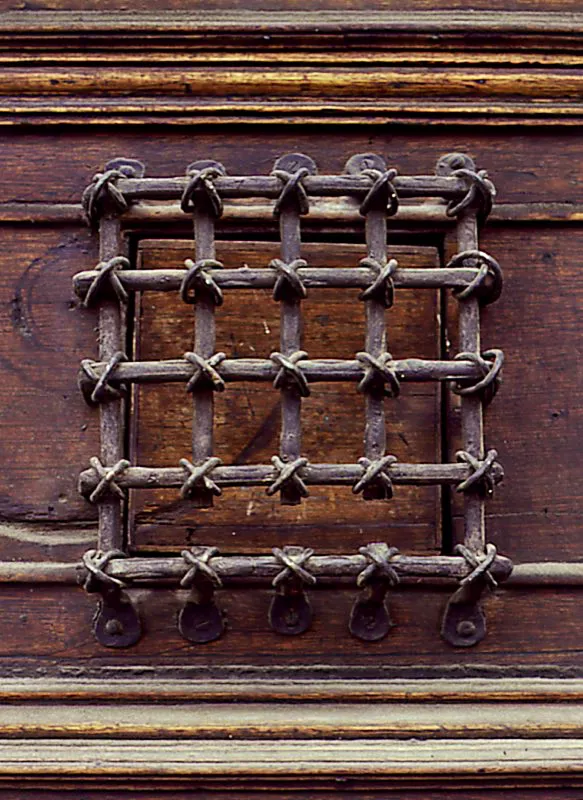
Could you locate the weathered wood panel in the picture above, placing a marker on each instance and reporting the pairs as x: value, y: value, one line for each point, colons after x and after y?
x: 536, y: 420
x: 41, y: 626
x: 46, y: 433
x: 527, y: 166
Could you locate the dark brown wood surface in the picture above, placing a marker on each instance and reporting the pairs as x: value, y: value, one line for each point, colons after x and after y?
x: 82, y: 82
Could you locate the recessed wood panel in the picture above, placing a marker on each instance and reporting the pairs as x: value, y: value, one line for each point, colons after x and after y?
x: 247, y: 415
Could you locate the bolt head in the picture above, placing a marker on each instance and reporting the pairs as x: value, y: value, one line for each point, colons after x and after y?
x: 114, y: 627
x: 466, y: 629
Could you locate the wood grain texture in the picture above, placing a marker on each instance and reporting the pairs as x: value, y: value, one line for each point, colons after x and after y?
x: 352, y: 80
x: 536, y: 418
x: 46, y: 434
x: 526, y: 166
x: 42, y: 625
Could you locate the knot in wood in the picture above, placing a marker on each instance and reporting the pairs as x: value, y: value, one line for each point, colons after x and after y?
x: 293, y: 193
x: 382, y: 289
x: 479, y: 562
x: 96, y: 388
x: 378, y: 377
x: 287, y: 474
x: 103, y: 195
x: 106, y: 484
x: 479, y: 195
x: 200, y: 281
x: 106, y: 283
x: 375, y: 472
x: 487, y: 284
x: 290, y: 375
x: 288, y: 283
x: 198, y: 477
x: 197, y: 558
x: 96, y: 562
x: 485, y: 474
x: 205, y: 375
x: 293, y: 559
x: 201, y: 192
x: 382, y: 195
x: 379, y: 568
x: 490, y: 364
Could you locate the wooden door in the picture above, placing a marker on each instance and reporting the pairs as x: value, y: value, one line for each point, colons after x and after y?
x: 253, y: 712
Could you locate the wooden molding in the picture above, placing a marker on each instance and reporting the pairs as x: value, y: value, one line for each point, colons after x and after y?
x: 290, y: 761
x: 290, y: 67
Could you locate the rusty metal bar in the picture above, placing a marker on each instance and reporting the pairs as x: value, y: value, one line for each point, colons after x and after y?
x: 251, y: 186
x: 265, y: 474
x: 205, y: 209
x: 534, y: 574
x: 170, y: 280
x: 472, y: 418
x: 111, y: 341
x: 375, y: 437
x: 289, y: 207
x: 316, y: 370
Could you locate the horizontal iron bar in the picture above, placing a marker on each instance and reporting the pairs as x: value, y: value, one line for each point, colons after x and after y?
x: 169, y: 280
x: 547, y: 573
x: 240, y: 567
x: 315, y: 185
x: 264, y: 475
x: 262, y: 369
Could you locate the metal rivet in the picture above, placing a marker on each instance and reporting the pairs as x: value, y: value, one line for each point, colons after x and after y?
x: 114, y: 627
x: 466, y: 628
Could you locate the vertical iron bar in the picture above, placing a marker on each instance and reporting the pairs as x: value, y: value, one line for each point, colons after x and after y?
x: 375, y: 437
x: 290, y: 333
x: 204, y: 346
x: 290, y: 342
x: 471, y: 405
x: 111, y: 414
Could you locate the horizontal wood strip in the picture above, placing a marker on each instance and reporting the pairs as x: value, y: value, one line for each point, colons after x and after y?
x: 317, y: 22
x: 251, y: 687
x: 363, y: 83
x: 310, y: 721
x: 284, y: 759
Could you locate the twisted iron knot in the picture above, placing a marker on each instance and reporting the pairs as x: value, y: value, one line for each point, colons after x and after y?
x: 102, y: 191
x: 197, y: 559
x: 198, y: 477
x: 378, y: 377
x: 287, y: 475
x: 293, y: 559
x: 485, y: 474
x: 288, y: 281
x: 480, y: 564
x: 290, y: 373
x: 490, y: 364
x: 205, y: 375
x: 96, y: 562
x: 375, y: 472
x: 199, y: 280
x: 487, y: 284
x: 107, y: 479
x: 379, y: 556
x: 202, y: 184
x: 293, y: 192
x: 479, y: 195
x: 382, y: 289
x: 107, y: 282
x: 96, y: 388
x: 382, y: 194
